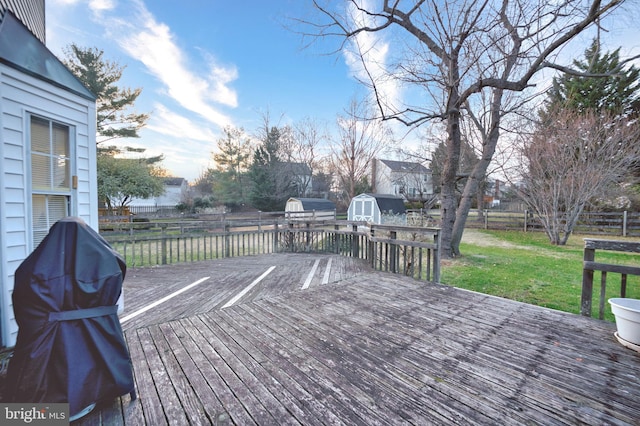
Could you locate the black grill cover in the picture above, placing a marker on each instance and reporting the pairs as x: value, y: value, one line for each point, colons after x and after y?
x: 70, y: 346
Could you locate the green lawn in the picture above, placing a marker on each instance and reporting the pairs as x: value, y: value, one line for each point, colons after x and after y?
x: 525, y: 267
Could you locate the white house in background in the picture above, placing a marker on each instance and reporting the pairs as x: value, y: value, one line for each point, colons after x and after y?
x: 47, y: 146
x: 175, y: 191
x: 301, y: 176
x: 411, y: 181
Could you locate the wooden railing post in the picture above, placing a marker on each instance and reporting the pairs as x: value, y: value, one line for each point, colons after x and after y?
x: 355, y: 242
x: 276, y: 236
x: 372, y: 249
x: 393, y: 258
x: 226, y: 239
x: 436, y: 257
x: 290, y: 238
x: 587, y: 283
x: 163, y: 249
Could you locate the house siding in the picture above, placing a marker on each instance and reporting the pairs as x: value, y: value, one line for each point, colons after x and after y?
x: 30, y: 12
x: 388, y: 177
x: 21, y: 95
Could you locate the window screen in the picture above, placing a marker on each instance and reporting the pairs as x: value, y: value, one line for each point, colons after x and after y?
x: 50, y: 175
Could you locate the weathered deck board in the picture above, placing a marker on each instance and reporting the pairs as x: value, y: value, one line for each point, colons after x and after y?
x: 372, y: 348
x: 227, y: 278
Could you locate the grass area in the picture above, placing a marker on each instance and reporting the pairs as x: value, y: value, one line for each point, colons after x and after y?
x: 525, y: 267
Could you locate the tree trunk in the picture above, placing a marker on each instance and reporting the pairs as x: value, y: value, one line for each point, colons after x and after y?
x: 448, y: 178
x: 478, y: 173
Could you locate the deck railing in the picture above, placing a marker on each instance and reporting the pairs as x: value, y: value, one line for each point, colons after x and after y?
x: 411, y: 251
x: 590, y: 266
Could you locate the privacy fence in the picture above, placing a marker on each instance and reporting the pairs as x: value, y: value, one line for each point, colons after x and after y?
x: 411, y: 251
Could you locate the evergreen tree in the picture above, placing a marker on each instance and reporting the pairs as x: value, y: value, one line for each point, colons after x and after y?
x: 119, y: 179
x: 232, y: 160
x: 617, y: 95
x: 263, y: 184
x: 100, y: 77
x: 272, y: 183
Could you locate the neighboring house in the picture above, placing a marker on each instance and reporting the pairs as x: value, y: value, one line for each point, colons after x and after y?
x: 493, y: 193
x: 175, y: 189
x: 411, y: 181
x: 377, y: 209
x: 47, y: 146
x: 301, y: 176
x: 175, y: 192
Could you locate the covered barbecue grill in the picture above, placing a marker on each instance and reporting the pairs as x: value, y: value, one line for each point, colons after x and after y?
x: 70, y: 346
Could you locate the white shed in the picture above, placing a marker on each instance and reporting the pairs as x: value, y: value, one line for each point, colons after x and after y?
x: 377, y: 208
x: 47, y: 153
x: 310, y: 208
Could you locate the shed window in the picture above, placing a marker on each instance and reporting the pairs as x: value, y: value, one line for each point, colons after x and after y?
x: 368, y: 208
x: 50, y: 175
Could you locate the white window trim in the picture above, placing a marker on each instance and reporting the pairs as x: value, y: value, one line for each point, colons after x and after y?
x: 71, y: 194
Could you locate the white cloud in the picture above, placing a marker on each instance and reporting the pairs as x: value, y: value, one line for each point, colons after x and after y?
x: 101, y: 5
x: 367, y: 60
x: 153, y: 44
x: 170, y: 123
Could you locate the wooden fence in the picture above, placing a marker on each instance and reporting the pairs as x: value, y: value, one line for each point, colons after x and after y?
x: 590, y: 266
x: 625, y: 224
x: 411, y: 251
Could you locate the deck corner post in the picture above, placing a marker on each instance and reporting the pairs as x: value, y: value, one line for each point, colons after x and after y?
x: 372, y: 248
x: 587, y: 283
x: 393, y: 235
x: 436, y: 257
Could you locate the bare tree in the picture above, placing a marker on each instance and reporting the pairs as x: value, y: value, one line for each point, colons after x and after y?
x: 454, y: 51
x: 572, y: 159
x: 362, y: 138
x: 308, y: 136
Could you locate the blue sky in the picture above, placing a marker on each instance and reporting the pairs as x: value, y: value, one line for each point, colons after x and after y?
x: 205, y: 64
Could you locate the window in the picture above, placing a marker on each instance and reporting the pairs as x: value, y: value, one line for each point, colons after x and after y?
x: 50, y: 175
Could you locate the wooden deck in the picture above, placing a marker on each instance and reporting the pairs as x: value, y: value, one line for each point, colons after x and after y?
x: 359, y: 348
